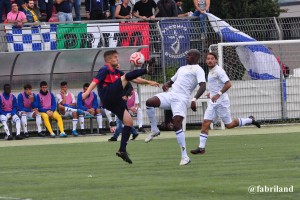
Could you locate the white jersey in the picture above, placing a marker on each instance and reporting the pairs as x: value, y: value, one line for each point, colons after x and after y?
x: 217, y: 77
x: 186, y: 80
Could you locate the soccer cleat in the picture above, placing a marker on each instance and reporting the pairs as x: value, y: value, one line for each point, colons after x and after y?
x: 82, y: 132
x: 124, y: 156
x: 41, y: 134
x: 52, y: 135
x: 9, y: 137
x: 19, y: 137
x: 112, y: 139
x: 151, y: 136
x: 63, y: 134
x: 254, y: 122
x: 150, y: 66
x: 185, y: 160
x: 74, y: 133
x: 134, y: 136
x: 101, y: 132
x: 26, y: 135
x: 198, y: 151
x: 141, y: 130
x: 80, y: 112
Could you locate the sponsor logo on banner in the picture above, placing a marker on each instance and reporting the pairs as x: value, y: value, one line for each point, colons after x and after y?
x: 176, y: 40
x: 71, y: 36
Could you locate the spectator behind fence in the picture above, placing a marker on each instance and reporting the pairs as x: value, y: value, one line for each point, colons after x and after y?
x: 112, y: 7
x: 123, y: 11
x: 167, y: 8
x: 46, y: 7
x: 8, y: 111
x: 15, y: 16
x: 76, y: 4
x: 67, y: 105
x: 96, y: 9
x: 90, y: 104
x: 47, y: 106
x: 31, y: 16
x: 201, y: 8
x: 143, y: 9
x: 64, y: 10
x: 180, y: 11
x: 6, y: 6
x: 27, y: 106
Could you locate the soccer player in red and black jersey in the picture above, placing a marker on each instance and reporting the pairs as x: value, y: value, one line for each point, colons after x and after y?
x: 111, y: 83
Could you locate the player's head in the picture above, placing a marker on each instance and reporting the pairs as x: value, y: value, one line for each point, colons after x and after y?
x: 28, y: 89
x: 44, y: 86
x: 7, y: 88
x: 85, y: 86
x: 64, y: 86
x: 192, y: 57
x: 111, y: 57
x: 211, y: 60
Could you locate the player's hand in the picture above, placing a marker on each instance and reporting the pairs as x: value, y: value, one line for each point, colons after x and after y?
x: 125, y: 98
x: 88, y: 15
x: 193, y: 106
x: 49, y: 113
x: 208, y: 95
x: 112, y: 129
x: 153, y: 83
x: 215, y: 98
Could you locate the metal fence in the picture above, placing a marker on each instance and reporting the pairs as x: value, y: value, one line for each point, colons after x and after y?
x: 71, y: 51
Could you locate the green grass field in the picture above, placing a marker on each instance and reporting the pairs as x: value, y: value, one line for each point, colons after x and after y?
x: 90, y: 170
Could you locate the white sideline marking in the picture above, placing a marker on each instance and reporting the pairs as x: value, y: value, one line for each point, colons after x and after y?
x: 13, y: 198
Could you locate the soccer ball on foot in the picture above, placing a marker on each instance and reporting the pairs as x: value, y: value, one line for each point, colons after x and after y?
x: 137, y: 59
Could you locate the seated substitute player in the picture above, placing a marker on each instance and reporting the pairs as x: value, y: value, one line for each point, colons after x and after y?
x: 8, y: 111
x: 67, y: 106
x: 27, y: 105
x: 90, y: 105
x: 183, y: 84
x: 111, y: 83
x: 46, y: 104
x: 219, y: 104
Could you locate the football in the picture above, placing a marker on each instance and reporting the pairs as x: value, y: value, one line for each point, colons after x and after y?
x: 137, y: 59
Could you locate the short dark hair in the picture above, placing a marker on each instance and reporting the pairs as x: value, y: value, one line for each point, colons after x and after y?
x: 86, y: 85
x: 43, y: 83
x: 27, y: 86
x: 63, y: 83
x: 212, y: 54
x: 109, y: 53
x: 6, y: 85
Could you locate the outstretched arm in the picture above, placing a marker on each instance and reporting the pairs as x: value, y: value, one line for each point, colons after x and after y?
x: 88, y: 91
x: 140, y: 80
x: 200, y: 91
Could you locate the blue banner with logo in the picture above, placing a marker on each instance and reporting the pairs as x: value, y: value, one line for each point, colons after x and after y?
x: 176, y: 43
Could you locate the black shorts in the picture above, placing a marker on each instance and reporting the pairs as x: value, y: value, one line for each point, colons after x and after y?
x: 111, y: 98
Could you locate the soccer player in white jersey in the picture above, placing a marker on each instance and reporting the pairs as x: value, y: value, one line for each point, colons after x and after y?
x: 183, y: 83
x: 218, y: 106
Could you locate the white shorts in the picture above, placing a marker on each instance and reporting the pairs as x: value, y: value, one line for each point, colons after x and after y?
x: 67, y: 114
x: 175, y: 102
x: 215, y: 110
x: 28, y: 114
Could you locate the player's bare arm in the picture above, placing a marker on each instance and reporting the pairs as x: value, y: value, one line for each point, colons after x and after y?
x: 200, y: 91
x: 88, y: 91
x: 223, y: 90
x: 140, y: 80
x: 167, y: 85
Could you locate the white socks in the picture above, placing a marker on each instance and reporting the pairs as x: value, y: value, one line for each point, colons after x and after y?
x: 16, y: 120
x: 140, y: 117
x: 244, y: 121
x: 99, y: 120
x: 152, y: 119
x: 108, y: 115
x: 24, y: 122
x: 203, y: 138
x: 38, y: 120
x: 74, y: 123
x: 181, y: 141
x: 81, y: 121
